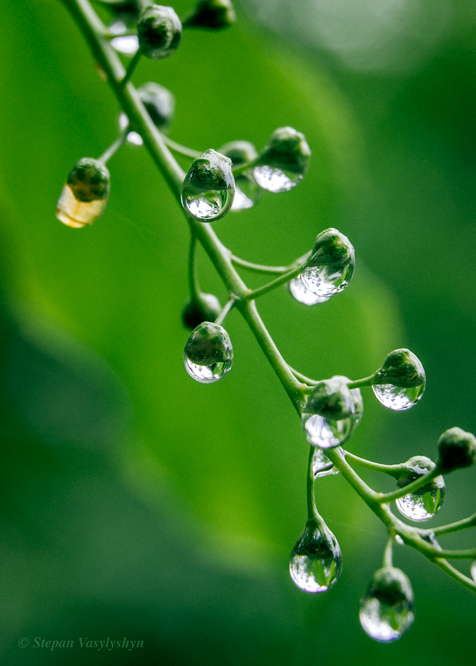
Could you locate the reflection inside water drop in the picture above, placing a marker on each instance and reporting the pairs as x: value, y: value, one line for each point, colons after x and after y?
x: 206, y: 374
x: 316, y: 560
x: 398, y: 398
x: 275, y: 180
x: 302, y: 294
x: 327, y: 280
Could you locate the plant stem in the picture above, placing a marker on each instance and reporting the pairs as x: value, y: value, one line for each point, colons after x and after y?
x: 257, y: 268
x: 193, y: 283
x: 222, y: 316
x: 463, y: 524
x: 410, y: 488
x: 131, y: 68
x: 107, y: 154
x: 358, y: 383
x: 181, y: 150
x: 388, y: 552
x: 392, y: 470
x: 311, y: 498
x: 261, y: 291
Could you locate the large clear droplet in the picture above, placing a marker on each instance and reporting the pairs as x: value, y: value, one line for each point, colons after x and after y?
x: 301, y: 293
x: 386, y: 611
x: 326, y: 433
x: 398, y: 398
x: 315, y: 564
x: 209, y: 186
x: 423, y: 503
x: 208, y: 353
x: 321, y: 465
x: 326, y: 281
x: 276, y: 180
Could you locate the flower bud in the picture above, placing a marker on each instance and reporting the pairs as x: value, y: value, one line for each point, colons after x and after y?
x: 211, y: 14
x: 247, y: 190
x: 284, y: 161
x: 457, y: 449
x: 85, y: 193
x: 160, y: 104
x: 330, y: 267
x: 208, y: 353
x: 205, y: 307
x: 386, y: 610
x: 159, y: 31
x: 209, y: 187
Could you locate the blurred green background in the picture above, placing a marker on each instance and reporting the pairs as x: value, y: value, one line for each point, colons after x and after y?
x: 135, y: 503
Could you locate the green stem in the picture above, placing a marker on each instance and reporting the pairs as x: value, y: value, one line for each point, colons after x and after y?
x: 193, y: 283
x: 392, y: 470
x: 222, y: 316
x: 311, y: 498
x: 258, y: 268
x: 410, y: 488
x: 107, y: 154
x: 181, y: 150
x: 261, y: 291
x: 388, y: 552
x: 358, y: 383
x: 455, y: 527
x: 242, y: 168
x: 302, y: 378
x: 131, y: 68
x: 457, y: 575
x: 466, y: 554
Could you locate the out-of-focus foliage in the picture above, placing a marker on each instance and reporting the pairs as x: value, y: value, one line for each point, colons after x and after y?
x: 137, y: 503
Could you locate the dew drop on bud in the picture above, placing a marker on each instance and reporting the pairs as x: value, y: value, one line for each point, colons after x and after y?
x: 386, y: 610
x: 283, y: 162
x: 423, y: 503
x: 332, y: 412
x: 321, y: 465
x: 331, y: 265
x: 315, y: 563
x: 209, y: 187
x: 85, y: 193
x: 302, y: 294
x: 208, y: 353
x: 400, y: 383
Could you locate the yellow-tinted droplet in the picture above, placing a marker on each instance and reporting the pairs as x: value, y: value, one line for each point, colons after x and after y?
x: 78, y: 214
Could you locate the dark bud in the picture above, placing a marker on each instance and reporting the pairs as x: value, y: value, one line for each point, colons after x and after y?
x: 160, y: 104
x: 159, y: 31
x: 211, y: 14
x: 457, y: 449
x: 206, y: 307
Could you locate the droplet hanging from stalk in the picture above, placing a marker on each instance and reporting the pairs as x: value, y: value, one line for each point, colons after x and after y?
x: 209, y: 187
x: 208, y: 353
x: 315, y: 563
x: 84, y: 196
x: 284, y: 161
x: 302, y: 294
x: 331, y: 265
x: 421, y: 504
x: 321, y: 465
x: 332, y: 412
x: 400, y: 383
x: 386, y: 610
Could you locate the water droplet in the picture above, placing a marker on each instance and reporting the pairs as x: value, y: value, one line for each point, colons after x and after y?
x: 423, y: 503
x: 275, y: 180
x: 126, y: 44
x: 208, y: 353
x: 133, y: 138
x: 302, y: 294
x: 84, y: 196
x: 399, y: 540
x: 398, y: 398
x: 315, y: 564
x: 473, y: 571
x: 247, y: 192
x: 332, y: 412
x: 331, y: 265
x: 321, y: 465
x: 209, y: 187
x: 283, y: 162
x: 386, y: 610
